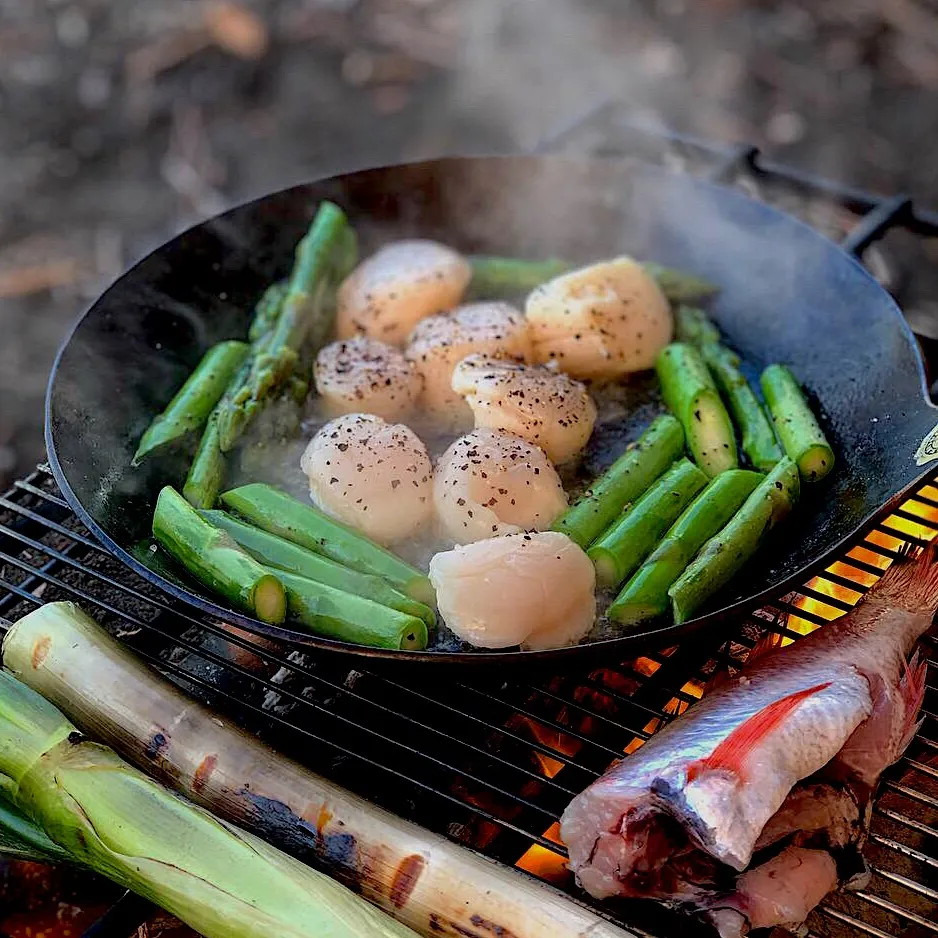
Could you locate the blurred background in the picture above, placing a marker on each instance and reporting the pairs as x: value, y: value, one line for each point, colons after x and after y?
x: 122, y: 122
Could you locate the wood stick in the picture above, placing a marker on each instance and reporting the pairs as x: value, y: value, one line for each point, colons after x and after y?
x: 438, y: 888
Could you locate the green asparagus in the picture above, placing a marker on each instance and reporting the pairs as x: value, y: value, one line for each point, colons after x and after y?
x: 193, y: 402
x: 796, y: 425
x: 620, y: 551
x: 349, y: 618
x: 630, y: 475
x: 267, y: 311
x: 207, y: 472
x: 500, y: 277
x: 691, y: 395
x: 106, y: 815
x: 278, y: 513
x: 645, y: 596
x: 319, y: 257
x: 274, y: 551
x: 758, y: 438
x: 724, y: 555
x: 213, y: 558
x: 694, y: 326
x: 679, y: 286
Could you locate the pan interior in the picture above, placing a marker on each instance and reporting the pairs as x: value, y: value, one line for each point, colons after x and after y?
x: 787, y: 295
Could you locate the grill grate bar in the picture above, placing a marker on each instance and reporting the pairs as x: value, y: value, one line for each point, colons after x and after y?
x: 533, y: 744
x: 897, y: 910
x: 904, y: 848
x: 853, y: 923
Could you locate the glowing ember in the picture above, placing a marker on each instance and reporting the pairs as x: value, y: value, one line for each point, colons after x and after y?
x: 545, y: 863
x: 646, y: 666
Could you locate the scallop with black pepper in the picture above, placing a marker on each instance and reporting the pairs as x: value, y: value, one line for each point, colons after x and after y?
x: 489, y: 483
x: 600, y: 322
x: 363, y: 375
x: 440, y: 342
x: 543, y: 406
x: 387, y: 294
x: 372, y: 475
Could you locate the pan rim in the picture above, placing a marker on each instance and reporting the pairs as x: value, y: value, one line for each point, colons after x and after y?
x: 515, y: 656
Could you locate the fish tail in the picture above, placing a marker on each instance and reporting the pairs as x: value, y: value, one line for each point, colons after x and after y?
x: 911, y: 583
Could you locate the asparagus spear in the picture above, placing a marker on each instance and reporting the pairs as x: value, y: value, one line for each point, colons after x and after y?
x: 267, y: 311
x: 622, y: 482
x: 207, y: 472
x: 796, y: 425
x: 645, y: 596
x: 724, y: 555
x: 758, y: 438
x: 213, y: 558
x: 349, y: 618
x: 278, y: 513
x: 497, y: 277
x: 113, y: 696
x: 193, y: 402
x: 276, y: 552
x: 500, y: 276
x: 221, y: 881
x: 678, y: 285
x: 318, y: 258
x: 620, y: 551
x: 694, y: 326
x: 690, y: 393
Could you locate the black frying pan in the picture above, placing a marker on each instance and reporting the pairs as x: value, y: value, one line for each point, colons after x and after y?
x: 787, y: 295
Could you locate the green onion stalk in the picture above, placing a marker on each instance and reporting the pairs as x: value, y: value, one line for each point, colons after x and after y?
x: 111, y: 818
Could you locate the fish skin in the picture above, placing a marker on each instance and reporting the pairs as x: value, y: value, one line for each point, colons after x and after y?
x: 624, y: 832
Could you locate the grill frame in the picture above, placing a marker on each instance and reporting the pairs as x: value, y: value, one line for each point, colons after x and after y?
x: 481, y: 743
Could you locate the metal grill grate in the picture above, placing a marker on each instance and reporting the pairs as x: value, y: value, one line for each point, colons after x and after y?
x: 492, y: 763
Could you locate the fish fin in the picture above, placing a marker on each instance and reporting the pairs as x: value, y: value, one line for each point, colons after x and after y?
x: 912, y: 581
x: 768, y: 643
x: 912, y: 689
x: 731, y: 754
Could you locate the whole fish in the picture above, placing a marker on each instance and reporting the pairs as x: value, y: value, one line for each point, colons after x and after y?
x: 784, y: 757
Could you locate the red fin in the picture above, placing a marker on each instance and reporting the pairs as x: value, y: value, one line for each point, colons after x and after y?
x: 768, y: 643
x: 912, y: 582
x: 731, y: 754
x: 912, y: 688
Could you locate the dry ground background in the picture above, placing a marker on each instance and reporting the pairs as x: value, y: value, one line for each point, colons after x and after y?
x: 121, y: 122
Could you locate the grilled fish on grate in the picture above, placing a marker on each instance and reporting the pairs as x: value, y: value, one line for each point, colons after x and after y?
x: 748, y: 806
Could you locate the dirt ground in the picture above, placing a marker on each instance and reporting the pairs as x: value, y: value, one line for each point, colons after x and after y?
x: 121, y: 123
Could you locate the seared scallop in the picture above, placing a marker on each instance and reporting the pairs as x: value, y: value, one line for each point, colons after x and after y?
x: 387, y: 294
x: 372, y: 475
x: 540, y: 405
x: 600, y: 322
x: 489, y: 483
x: 362, y: 375
x: 440, y: 342
x: 534, y: 590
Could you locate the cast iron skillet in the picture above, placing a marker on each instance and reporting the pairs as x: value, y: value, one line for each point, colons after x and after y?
x: 787, y: 295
